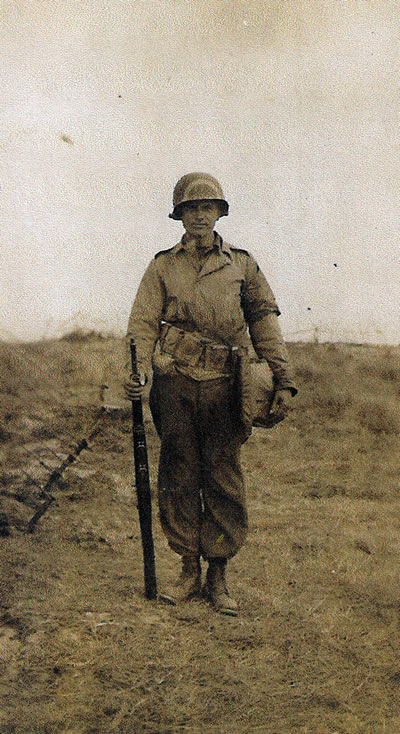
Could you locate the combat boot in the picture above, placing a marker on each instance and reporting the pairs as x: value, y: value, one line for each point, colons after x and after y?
x: 188, y: 584
x: 216, y: 589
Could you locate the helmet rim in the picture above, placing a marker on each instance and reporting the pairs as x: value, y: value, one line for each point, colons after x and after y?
x: 197, y: 187
x: 176, y: 214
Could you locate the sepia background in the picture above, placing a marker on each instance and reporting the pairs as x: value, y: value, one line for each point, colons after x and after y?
x: 292, y: 104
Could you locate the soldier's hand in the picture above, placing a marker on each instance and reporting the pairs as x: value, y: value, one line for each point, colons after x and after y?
x: 134, y: 385
x: 281, y: 404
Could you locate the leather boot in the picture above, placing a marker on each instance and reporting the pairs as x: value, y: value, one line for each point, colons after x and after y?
x: 216, y: 588
x: 188, y: 584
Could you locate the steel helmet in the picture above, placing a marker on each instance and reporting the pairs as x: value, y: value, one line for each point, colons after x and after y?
x: 197, y: 187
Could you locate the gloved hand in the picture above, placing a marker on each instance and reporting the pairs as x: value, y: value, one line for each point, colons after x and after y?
x: 134, y: 386
x: 281, y: 404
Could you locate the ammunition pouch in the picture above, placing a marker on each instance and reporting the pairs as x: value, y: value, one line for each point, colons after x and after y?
x: 190, y: 349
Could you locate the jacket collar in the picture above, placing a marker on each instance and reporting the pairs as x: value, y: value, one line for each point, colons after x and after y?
x: 219, y: 243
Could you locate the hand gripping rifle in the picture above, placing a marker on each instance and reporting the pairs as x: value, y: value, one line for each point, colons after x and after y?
x: 143, y: 488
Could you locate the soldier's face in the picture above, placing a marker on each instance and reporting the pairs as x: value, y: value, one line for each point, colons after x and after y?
x: 199, y: 217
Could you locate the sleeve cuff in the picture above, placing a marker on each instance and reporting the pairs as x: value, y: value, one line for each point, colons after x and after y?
x: 287, y: 386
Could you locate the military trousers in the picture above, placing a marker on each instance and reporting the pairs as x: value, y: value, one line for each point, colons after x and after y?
x: 201, y: 491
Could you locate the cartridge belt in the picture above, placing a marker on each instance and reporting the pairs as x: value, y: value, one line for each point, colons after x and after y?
x: 190, y: 348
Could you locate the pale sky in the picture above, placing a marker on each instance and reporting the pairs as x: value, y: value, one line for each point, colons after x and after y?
x: 292, y: 104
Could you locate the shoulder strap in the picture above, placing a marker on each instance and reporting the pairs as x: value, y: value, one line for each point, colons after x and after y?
x: 163, y: 252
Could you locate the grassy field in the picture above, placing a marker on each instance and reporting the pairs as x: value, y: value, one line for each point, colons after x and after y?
x: 315, y: 649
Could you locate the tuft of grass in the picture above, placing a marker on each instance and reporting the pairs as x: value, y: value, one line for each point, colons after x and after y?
x: 82, y: 335
x: 378, y: 417
x: 305, y: 374
x: 390, y: 373
x: 4, y: 434
x: 333, y: 406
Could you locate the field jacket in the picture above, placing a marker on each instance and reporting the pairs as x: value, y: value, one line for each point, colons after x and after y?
x: 225, y: 303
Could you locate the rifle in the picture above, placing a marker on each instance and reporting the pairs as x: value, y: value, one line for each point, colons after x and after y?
x: 143, y: 487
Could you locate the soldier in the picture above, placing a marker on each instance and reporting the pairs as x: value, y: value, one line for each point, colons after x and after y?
x: 198, y: 306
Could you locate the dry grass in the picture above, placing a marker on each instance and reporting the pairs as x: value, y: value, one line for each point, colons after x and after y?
x: 315, y: 649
